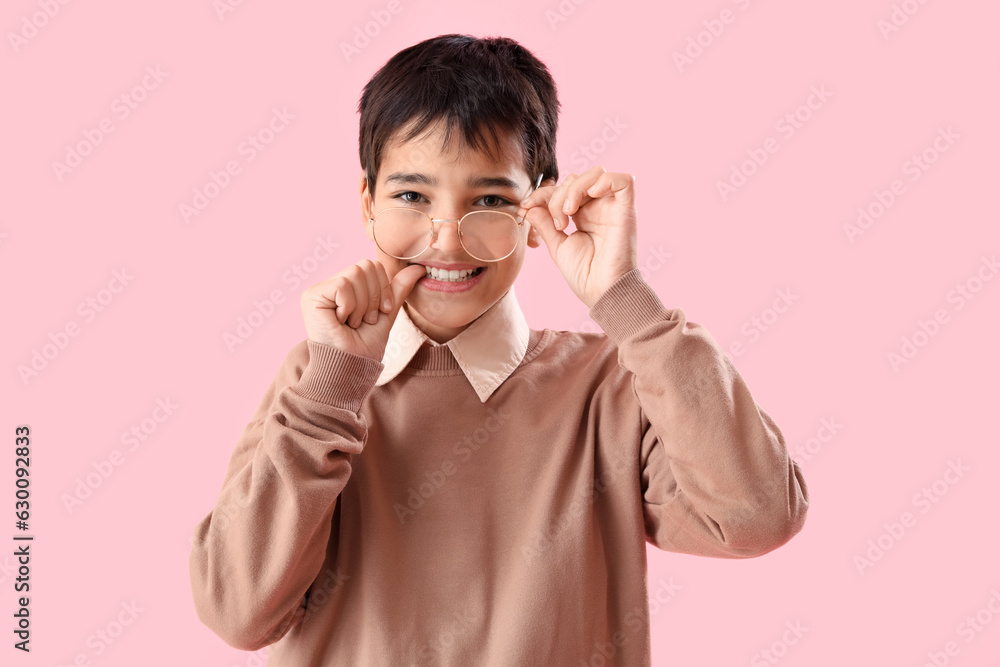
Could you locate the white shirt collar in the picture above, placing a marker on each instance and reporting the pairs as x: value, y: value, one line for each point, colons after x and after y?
x: 488, y: 350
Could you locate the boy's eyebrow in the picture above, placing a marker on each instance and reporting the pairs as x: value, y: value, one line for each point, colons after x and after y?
x: 403, y: 177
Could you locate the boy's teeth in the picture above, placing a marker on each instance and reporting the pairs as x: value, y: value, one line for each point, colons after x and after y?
x: 449, y: 276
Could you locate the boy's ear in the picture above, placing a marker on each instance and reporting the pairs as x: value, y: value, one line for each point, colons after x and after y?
x: 367, y: 206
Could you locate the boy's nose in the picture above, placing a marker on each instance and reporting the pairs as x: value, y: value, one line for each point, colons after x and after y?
x: 446, y: 237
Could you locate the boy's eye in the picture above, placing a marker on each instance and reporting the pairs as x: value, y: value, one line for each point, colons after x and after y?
x: 489, y: 201
x: 403, y: 196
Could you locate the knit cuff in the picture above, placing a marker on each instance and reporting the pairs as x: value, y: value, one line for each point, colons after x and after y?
x: 627, y: 307
x: 336, y: 377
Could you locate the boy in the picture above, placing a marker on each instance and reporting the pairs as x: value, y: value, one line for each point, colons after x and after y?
x: 430, y: 481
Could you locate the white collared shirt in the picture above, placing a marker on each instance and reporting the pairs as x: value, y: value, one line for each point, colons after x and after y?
x: 488, y: 350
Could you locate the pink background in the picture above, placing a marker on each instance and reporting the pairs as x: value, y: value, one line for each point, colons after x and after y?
x: 680, y: 130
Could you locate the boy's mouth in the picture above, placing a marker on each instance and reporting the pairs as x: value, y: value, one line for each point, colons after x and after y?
x: 452, y: 275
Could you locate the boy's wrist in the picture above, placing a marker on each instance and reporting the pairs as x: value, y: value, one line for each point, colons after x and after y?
x: 336, y: 377
x: 628, y: 306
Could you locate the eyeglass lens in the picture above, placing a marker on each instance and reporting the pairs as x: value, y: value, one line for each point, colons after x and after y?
x: 405, y: 233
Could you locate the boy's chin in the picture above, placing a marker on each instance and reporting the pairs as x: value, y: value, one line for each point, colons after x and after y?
x: 456, y: 317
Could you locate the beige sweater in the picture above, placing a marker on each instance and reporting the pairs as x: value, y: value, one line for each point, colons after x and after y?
x: 414, y: 524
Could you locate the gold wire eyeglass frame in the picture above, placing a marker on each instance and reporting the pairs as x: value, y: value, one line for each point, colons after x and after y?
x: 433, y: 234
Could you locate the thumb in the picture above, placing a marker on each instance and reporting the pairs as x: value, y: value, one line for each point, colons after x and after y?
x: 403, y: 283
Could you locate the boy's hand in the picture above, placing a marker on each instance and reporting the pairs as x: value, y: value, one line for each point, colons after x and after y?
x: 349, y: 310
x: 603, y: 247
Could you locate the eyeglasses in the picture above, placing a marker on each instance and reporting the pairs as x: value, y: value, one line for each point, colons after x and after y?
x: 489, y: 236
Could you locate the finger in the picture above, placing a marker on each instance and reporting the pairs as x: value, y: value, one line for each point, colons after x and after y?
x: 385, y: 291
x: 324, y: 296
x: 539, y: 197
x: 343, y: 299
x: 542, y: 221
x: 403, y: 283
x: 371, y: 302
x: 577, y: 194
x: 621, y: 186
x: 556, y: 201
x: 374, y: 291
x: 359, y: 287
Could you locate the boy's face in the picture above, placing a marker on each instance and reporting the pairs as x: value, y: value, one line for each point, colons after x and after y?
x: 442, y: 310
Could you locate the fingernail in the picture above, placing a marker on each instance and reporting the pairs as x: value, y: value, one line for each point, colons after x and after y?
x: 566, y: 207
x: 373, y: 317
x: 525, y: 202
x: 387, y: 305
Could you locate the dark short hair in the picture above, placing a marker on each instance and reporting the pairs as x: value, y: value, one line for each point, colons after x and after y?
x: 491, y: 83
